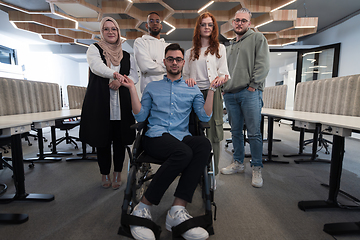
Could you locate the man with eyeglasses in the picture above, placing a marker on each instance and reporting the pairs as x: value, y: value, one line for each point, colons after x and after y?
x: 248, y: 62
x: 167, y: 105
x: 149, y: 52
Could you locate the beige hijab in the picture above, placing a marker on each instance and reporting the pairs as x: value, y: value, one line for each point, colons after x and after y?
x: 112, y: 51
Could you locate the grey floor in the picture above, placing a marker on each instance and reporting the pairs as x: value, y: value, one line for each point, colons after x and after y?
x: 84, y: 210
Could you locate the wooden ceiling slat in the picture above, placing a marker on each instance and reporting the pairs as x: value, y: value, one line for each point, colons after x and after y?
x: 36, y: 28
x: 58, y: 38
x: 45, y: 24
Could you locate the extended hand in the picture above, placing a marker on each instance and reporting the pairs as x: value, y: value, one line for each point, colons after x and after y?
x: 127, y: 82
x: 118, y: 76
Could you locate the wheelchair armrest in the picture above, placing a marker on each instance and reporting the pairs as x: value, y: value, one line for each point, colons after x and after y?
x: 204, y: 125
x: 138, y: 126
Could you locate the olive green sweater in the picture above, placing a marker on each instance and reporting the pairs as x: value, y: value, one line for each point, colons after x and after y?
x: 248, y: 62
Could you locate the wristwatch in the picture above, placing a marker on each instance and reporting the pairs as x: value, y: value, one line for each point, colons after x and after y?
x: 212, y: 89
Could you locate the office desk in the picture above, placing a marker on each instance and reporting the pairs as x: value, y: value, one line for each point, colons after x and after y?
x: 15, y: 124
x: 47, y: 119
x: 339, y: 127
x: 302, y: 119
x: 13, y: 128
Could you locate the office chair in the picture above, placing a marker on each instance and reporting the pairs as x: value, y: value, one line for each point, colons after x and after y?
x: 139, y: 175
x: 321, y: 141
x: 4, y: 140
x: 66, y: 126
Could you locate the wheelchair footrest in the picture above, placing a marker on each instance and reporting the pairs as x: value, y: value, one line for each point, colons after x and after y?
x: 127, y: 220
x: 204, y: 221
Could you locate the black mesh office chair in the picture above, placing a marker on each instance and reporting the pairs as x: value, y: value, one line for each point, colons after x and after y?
x: 66, y: 125
x: 4, y: 141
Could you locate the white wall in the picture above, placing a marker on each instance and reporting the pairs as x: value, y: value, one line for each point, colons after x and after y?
x: 273, y: 77
x: 38, y: 65
x: 83, y: 74
x: 43, y: 66
x: 348, y: 34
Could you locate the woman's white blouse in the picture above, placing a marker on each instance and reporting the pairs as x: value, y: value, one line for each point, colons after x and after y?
x: 98, y: 67
x: 213, y: 67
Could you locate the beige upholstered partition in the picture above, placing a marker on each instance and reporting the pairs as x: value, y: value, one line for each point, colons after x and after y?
x: 275, y: 97
x: 76, y: 96
x: 23, y: 96
x: 339, y: 96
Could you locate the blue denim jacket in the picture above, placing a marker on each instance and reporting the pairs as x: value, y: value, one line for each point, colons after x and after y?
x: 168, y: 105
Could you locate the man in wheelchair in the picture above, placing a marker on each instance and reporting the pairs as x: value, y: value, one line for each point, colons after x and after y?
x: 167, y: 104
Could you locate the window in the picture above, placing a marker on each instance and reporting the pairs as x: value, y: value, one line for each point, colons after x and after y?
x: 8, y: 55
x: 319, y: 63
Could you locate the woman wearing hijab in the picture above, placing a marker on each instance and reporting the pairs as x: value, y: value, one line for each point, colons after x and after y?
x: 204, y: 62
x: 106, y: 113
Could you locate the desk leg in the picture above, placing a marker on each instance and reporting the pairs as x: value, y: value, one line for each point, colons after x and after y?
x: 342, y: 228
x: 301, y: 146
x: 41, y: 157
x: 262, y: 133
x: 337, y: 156
x: 314, y: 149
x: 265, y: 140
x: 84, y: 155
x: 19, y: 176
x: 270, y: 142
x: 54, y: 152
x: 13, y: 218
x: 93, y: 152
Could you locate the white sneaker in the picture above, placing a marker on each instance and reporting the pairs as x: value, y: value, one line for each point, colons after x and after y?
x: 197, y: 233
x: 257, y: 180
x: 235, y: 167
x: 140, y: 232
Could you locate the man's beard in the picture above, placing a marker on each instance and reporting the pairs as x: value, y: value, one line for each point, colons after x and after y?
x: 174, y: 73
x: 242, y: 32
x: 154, y: 33
x: 170, y: 71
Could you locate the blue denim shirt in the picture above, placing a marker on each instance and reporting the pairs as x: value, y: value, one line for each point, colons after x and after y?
x: 169, y: 105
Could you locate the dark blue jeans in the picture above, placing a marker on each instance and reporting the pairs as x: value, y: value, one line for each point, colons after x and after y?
x: 245, y: 106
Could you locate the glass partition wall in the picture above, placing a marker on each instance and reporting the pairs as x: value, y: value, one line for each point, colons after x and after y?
x: 291, y: 66
x: 319, y: 64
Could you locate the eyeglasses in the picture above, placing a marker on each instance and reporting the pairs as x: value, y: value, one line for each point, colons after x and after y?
x: 171, y: 59
x: 243, y: 21
x: 110, y: 29
x: 210, y: 25
x: 154, y: 21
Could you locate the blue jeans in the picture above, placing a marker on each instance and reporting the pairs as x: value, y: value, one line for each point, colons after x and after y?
x: 245, y: 106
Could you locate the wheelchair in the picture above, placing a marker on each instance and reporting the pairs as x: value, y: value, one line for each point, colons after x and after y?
x: 140, y: 174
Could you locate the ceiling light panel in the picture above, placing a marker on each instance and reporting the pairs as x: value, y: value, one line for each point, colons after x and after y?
x: 77, y: 10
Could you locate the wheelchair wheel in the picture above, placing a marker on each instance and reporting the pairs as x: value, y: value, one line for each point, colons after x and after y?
x: 142, y: 181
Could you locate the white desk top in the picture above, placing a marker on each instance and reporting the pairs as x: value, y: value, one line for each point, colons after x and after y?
x: 25, y: 120
x: 347, y: 122
x: 10, y: 123
x: 52, y: 115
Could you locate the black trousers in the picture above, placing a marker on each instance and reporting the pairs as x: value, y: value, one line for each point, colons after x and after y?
x: 104, y: 153
x: 188, y: 157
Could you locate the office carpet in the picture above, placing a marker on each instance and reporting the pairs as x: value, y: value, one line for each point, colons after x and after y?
x: 83, y: 210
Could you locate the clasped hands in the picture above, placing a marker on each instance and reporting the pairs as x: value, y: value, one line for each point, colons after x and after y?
x: 217, y: 82
x: 118, y: 79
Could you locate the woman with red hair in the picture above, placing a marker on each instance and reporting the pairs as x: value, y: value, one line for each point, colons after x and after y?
x: 204, y: 62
